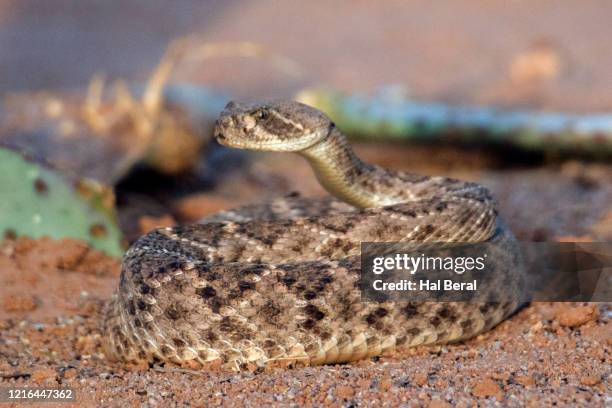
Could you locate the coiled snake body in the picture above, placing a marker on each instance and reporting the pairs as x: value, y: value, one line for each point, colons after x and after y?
x: 279, y: 281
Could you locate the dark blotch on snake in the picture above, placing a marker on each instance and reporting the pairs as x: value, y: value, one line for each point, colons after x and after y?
x: 309, y: 295
x: 314, y: 312
x: 410, y: 310
x: 244, y: 285
x: 206, y: 292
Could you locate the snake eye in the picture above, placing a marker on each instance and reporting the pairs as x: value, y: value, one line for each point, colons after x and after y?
x: 262, y: 114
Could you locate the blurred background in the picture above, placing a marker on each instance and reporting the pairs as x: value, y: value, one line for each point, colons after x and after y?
x: 548, y: 53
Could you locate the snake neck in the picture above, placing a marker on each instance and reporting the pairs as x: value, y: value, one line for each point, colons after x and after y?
x: 343, y: 174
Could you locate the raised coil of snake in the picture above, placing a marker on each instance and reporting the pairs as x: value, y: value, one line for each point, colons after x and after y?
x: 279, y: 281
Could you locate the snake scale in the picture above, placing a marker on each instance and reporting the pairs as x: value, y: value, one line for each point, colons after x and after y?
x: 279, y: 281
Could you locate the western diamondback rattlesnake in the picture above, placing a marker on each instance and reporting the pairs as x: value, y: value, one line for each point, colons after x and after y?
x: 280, y: 281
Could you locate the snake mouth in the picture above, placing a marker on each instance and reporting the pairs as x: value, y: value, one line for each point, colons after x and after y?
x: 226, y: 140
x: 220, y: 136
x: 270, y: 146
x: 220, y: 131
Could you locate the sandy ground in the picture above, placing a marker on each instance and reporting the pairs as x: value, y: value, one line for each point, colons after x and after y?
x: 52, y: 293
x: 548, y: 55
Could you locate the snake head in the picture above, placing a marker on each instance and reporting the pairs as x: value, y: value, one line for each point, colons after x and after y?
x: 279, y: 126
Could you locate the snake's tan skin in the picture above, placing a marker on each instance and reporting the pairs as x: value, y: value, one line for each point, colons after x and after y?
x: 278, y: 282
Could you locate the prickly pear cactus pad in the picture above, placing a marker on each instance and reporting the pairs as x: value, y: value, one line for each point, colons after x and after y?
x: 35, y: 200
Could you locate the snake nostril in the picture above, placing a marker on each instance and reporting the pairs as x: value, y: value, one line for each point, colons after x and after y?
x: 226, y: 121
